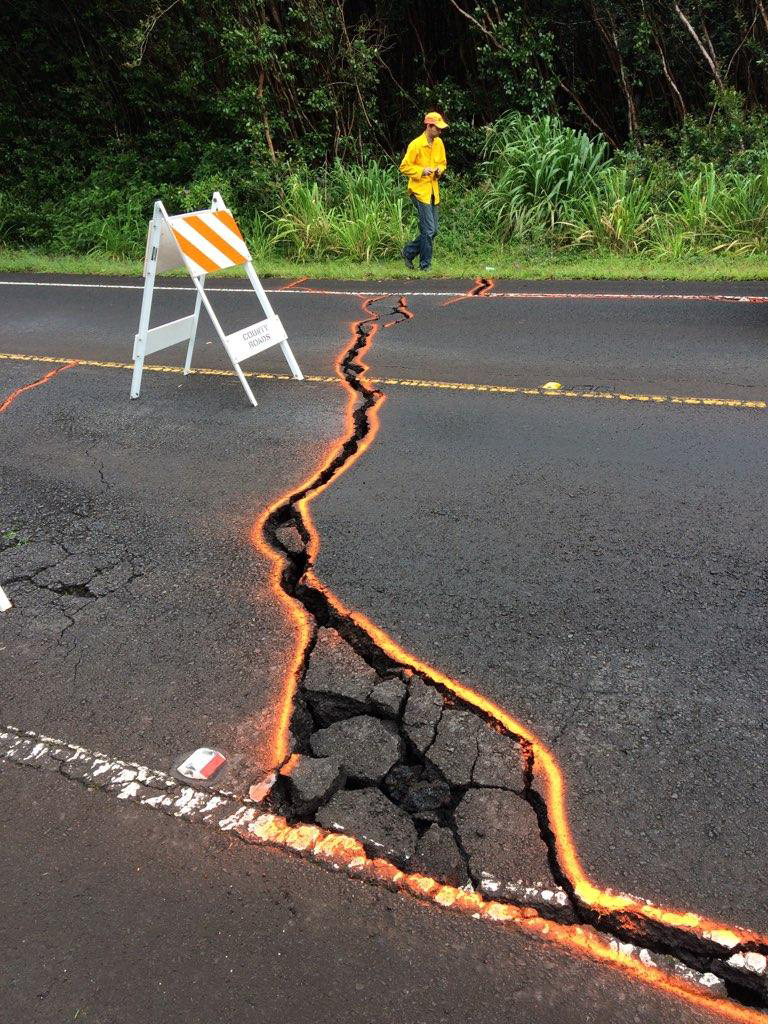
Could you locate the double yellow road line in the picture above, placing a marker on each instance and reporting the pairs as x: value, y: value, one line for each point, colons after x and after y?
x: 436, y: 385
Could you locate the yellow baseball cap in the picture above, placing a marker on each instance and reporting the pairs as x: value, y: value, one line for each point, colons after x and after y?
x: 436, y: 119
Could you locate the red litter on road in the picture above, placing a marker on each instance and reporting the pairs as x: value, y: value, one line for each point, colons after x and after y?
x: 202, y: 764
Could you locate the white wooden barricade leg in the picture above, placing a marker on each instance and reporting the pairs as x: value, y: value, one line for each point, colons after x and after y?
x: 267, y: 307
x: 153, y: 339
x: 217, y: 327
x: 190, y: 347
x: 139, y: 345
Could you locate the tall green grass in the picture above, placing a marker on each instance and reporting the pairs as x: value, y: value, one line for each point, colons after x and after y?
x: 539, y: 183
x: 616, y: 213
x: 356, y: 212
x: 535, y: 169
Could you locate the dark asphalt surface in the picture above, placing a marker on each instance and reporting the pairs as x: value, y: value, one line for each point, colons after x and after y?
x: 670, y: 347
x: 178, y: 642
x: 596, y: 567
x: 100, y: 323
x: 680, y: 347
x: 116, y: 915
x: 599, y: 570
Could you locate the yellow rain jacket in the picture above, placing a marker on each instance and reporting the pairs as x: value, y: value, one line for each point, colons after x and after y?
x: 420, y: 154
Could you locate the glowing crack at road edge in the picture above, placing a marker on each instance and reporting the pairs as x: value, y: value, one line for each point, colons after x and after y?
x: 602, y: 902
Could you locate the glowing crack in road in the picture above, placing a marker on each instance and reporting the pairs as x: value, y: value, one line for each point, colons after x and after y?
x: 735, y: 955
x: 612, y: 927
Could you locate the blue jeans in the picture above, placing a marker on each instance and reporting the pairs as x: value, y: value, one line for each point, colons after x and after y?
x: 429, y: 222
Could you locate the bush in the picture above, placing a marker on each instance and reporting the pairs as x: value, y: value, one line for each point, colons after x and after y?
x: 617, y: 213
x: 716, y: 211
x: 731, y: 137
x: 536, y: 169
x: 356, y: 213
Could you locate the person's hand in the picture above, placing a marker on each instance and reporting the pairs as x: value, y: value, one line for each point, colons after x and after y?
x: 427, y: 172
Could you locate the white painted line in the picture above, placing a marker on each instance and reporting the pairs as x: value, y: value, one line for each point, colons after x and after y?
x: 522, y: 296
x: 231, y: 291
x: 5, y: 601
x: 73, y: 284
x: 226, y: 812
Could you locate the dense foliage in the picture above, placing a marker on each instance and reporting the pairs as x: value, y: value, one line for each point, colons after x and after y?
x: 636, y: 124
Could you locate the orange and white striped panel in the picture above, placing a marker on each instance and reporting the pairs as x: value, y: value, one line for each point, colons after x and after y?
x: 209, y: 241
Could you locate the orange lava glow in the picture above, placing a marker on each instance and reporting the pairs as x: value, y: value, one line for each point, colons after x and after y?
x: 402, y: 307
x: 292, y: 284
x: 347, y: 854
x: 280, y: 743
x: 8, y: 402
x: 479, y: 289
x: 548, y: 777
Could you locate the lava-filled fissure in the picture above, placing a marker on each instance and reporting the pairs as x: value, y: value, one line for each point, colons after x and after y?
x: 11, y: 398
x: 480, y: 289
x: 430, y: 775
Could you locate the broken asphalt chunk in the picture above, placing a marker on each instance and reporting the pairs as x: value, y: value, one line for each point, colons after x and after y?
x: 383, y: 829
x: 366, y: 747
x: 338, y: 683
x: 422, y: 713
x: 499, y: 832
x: 438, y: 855
x: 387, y: 697
x: 310, y: 781
x: 454, y: 751
x: 500, y: 761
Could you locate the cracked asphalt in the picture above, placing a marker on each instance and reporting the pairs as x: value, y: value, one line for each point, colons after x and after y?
x: 595, y: 566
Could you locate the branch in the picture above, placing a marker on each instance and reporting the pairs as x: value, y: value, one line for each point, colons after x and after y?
x: 747, y: 34
x: 477, y: 24
x: 586, y: 113
x: 708, y: 57
x: 677, y: 96
x: 363, y: 105
x: 151, y: 23
x: 614, y: 53
x: 265, y: 120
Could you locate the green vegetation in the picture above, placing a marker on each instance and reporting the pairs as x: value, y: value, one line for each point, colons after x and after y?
x: 529, y: 262
x: 10, y: 538
x: 546, y: 196
x: 655, y: 164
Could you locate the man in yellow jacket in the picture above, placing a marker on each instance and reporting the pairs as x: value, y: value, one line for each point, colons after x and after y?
x: 423, y: 165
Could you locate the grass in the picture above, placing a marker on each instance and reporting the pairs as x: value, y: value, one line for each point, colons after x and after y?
x: 523, y: 263
x: 536, y: 168
x: 547, y: 202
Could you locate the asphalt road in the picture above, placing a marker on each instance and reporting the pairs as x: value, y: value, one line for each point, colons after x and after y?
x: 115, y: 915
x: 174, y: 639
x: 595, y: 565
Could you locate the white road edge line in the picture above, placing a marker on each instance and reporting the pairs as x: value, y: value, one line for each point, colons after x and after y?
x: 235, y: 291
x: 532, y: 296
x: 5, y: 601
x: 226, y: 812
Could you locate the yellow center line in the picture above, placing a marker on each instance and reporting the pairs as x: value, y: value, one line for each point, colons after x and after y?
x: 437, y: 385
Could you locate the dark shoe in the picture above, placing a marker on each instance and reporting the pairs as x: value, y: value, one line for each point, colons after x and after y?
x: 426, y: 268
x: 407, y: 262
